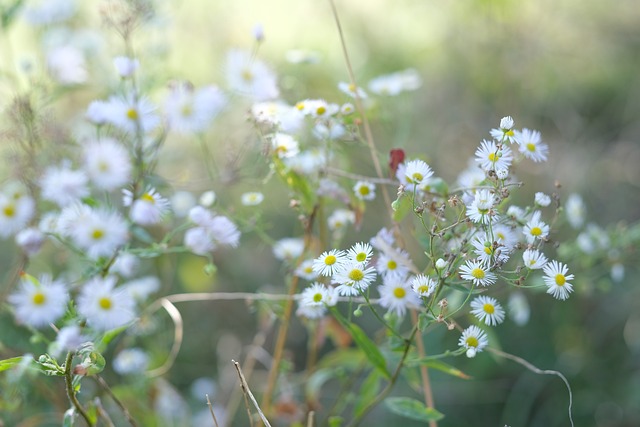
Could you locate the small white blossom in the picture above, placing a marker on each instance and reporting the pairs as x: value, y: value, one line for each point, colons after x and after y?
x: 423, y: 285
x: 131, y: 361
x: 364, y: 190
x: 288, y: 248
x: 104, y: 306
x: 125, y: 66
x: 535, y: 228
x: 533, y: 259
x: 473, y: 338
x: 107, y: 163
x: 252, y: 198
x: 63, y: 186
x: 478, y: 273
x: 542, y: 199
x: 531, y: 145
x: 39, y: 302
x: 487, y: 310
x: 557, y: 280
x: 396, y: 296
x: 329, y: 262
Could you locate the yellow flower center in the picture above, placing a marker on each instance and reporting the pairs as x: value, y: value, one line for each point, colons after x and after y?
x: 246, y: 75
x: 493, y: 157
x: 560, y: 279
x: 361, y: 257
x: 478, y: 273
x: 472, y: 341
x: 531, y: 147
x: 423, y: 289
x: 488, y: 250
x: 9, y: 211
x: 321, y: 110
x: 330, y: 260
x: 489, y: 308
x: 97, y: 234
x: 509, y: 133
x: 399, y: 293
x: 105, y: 303
x: 352, y: 87
x: 300, y: 106
x: 392, y: 265
x: 148, y: 198
x: 536, y: 231
x: 308, y: 270
x: 417, y: 177
x: 317, y: 297
x: 364, y: 190
x: 356, y: 275
x: 39, y: 298
x: 103, y: 167
x: 483, y: 211
x: 186, y: 110
x: 132, y: 114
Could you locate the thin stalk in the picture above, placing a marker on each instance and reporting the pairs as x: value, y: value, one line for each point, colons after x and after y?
x: 424, y: 372
x: 71, y: 394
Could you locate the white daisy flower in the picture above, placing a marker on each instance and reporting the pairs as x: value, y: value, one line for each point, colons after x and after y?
x: 207, y: 199
x: 250, y: 77
x: 67, y: 65
x: 39, y: 302
x: 192, y: 111
x: 417, y: 171
x: 63, y: 186
x: 212, y: 231
x: 288, y: 248
x: 364, y: 190
x: 97, y: 112
x: 317, y: 108
x: 329, y: 262
x: 353, y: 278
x: 489, y: 254
x: 69, y: 338
x: 396, y: 296
x: 107, y: 163
x: 30, y: 240
x: 181, y: 203
x: 347, y: 108
x: 478, y: 273
x: 140, y: 289
x: 360, y: 252
x: 535, y: 228
x: 313, y: 301
x: 506, y: 236
x: 125, y: 66
x: 423, y: 285
x: 471, y: 177
x: 395, y: 83
x: 305, y: 270
x: 506, y: 131
x: 99, y: 232
x: 330, y: 129
x: 383, y: 239
x: 126, y: 265
x: 284, y: 145
x: 351, y: 90
x: 131, y: 115
x: 519, y: 309
x: 480, y: 209
x: 340, y: 218
x: 487, y: 310
x: 15, y: 213
x: 131, y: 361
x: 491, y: 158
x: 474, y: 340
x: 575, y: 210
x: 278, y: 114
x: 47, y: 12
x: 252, y: 198
x: 542, y: 199
x: 199, y: 241
x: 557, y: 280
x: 534, y: 259
x: 393, y: 268
x: 531, y: 145
x: 103, y: 306
x: 148, y: 209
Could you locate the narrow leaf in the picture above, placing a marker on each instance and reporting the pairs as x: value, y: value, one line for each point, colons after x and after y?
x: 412, y: 408
x: 9, y: 363
x: 440, y: 366
x: 368, y: 392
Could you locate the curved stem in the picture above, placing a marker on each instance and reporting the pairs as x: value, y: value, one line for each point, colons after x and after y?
x: 71, y: 394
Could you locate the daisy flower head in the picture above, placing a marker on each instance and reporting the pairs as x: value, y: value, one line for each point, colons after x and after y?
x: 519, y: 310
x: 314, y: 295
x: 252, y: 198
x: 147, y: 209
x: 383, y: 238
x: 364, y: 190
x: 360, y: 252
x: 63, y: 186
x: 107, y: 164
x: 576, y: 210
x: 423, y: 285
x: 534, y: 259
x: 317, y: 108
x: 131, y: 361
x: 491, y: 158
x: 99, y: 232
x: 417, y: 171
x: 250, y: 76
x: 353, y: 278
x: 542, y: 199
x: 487, y: 310
x: 192, y: 111
x: 474, y: 340
x: 472, y: 176
x: 352, y: 90
x: 278, y: 114
x: 395, y: 83
x: 535, y: 228
x: 505, y: 236
x: 329, y: 262
x: 531, y: 145
x: 490, y: 253
x: 480, y: 209
x: 396, y: 296
x: 30, y: 240
x: 15, y: 213
x: 69, y: 338
x: 140, y: 289
x: 125, y: 66
x: 330, y: 129
x: 132, y: 115
x: 284, y: 145
x: 305, y: 270
x: 557, y: 280
x: 340, y: 218
x: 67, y: 64
x: 393, y: 268
x: 104, y: 306
x: 288, y: 248
x: 39, y: 302
x: 478, y: 273
x: 505, y: 132
x: 347, y: 108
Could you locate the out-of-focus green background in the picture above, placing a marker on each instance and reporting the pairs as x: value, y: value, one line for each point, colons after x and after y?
x: 567, y: 68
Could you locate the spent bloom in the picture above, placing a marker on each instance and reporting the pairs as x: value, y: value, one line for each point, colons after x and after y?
x: 39, y: 302
x: 487, y: 310
x: 474, y: 340
x: 557, y: 280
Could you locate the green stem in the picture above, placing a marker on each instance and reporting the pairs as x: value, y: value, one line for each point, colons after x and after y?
x: 71, y: 394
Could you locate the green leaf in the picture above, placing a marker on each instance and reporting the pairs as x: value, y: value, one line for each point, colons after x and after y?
x: 369, y: 348
x: 368, y: 392
x: 316, y: 381
x: 10, y: 363
x: 335, y: 421
x: 92, y: 361
x: 444, y: 367
x: 109, y: 336
x: 412, y: 408
x: 424, y: 320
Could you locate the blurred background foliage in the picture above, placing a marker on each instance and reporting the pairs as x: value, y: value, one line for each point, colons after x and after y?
x: 567, y: 68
